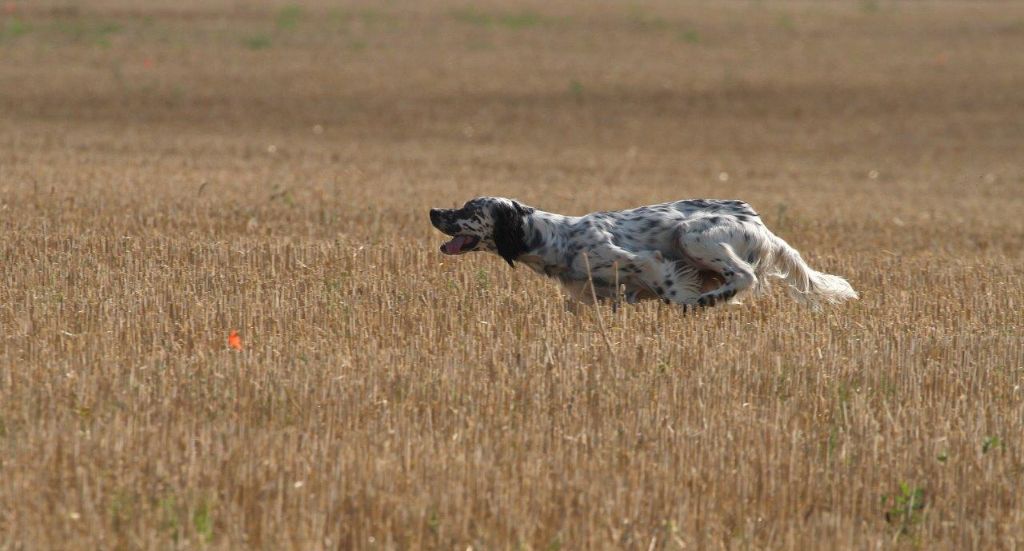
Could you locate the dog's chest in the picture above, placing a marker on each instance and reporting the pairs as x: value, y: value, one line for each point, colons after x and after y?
x: 573, y: 275
x: 549, y: 267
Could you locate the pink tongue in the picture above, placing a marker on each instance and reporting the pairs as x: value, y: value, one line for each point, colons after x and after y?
x: 455, y: 245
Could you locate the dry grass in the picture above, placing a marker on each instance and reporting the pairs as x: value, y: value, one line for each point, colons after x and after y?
x: 171, y: 173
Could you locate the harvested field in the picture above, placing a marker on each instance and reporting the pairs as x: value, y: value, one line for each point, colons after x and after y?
x: 174, y: 171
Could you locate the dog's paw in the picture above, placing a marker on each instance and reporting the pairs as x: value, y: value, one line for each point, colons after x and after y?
x: 715, y: 297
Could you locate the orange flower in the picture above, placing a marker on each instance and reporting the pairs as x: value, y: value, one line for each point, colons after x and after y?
x: 235, y: 341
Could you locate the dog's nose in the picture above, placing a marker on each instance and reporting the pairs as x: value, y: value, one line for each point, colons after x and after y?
x: 435, y: 215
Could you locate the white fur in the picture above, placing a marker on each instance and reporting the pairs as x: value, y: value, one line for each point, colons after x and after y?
x: 656, y: 251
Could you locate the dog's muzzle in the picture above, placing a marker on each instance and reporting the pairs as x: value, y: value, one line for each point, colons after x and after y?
x: 459, y: 244
x: 437, y: 218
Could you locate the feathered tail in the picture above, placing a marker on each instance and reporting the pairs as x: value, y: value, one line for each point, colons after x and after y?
x: 807, y: 285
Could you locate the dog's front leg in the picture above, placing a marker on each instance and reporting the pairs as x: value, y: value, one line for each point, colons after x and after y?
x: 578, y: 291
x: 672, y: 281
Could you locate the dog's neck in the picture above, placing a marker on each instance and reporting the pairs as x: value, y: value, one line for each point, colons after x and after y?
x: 547, y: 238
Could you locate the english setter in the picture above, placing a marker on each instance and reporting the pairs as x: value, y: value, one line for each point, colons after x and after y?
x: 692, y: 252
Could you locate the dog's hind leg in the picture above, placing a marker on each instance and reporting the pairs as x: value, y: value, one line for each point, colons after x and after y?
x: 718, y: 256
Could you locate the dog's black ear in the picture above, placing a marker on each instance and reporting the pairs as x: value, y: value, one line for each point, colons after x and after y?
x: 509, y: 234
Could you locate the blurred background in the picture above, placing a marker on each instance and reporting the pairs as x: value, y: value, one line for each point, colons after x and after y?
x: 537, y: 98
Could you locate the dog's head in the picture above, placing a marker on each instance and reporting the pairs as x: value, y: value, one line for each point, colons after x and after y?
x: 492, y: 224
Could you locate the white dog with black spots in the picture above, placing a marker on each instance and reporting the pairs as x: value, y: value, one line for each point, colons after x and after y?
x: 697, y: 252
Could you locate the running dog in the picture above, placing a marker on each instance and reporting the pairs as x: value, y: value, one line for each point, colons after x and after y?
x: 697, y: 252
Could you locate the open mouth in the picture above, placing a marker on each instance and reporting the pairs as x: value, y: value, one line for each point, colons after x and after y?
x: 460, y: 244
